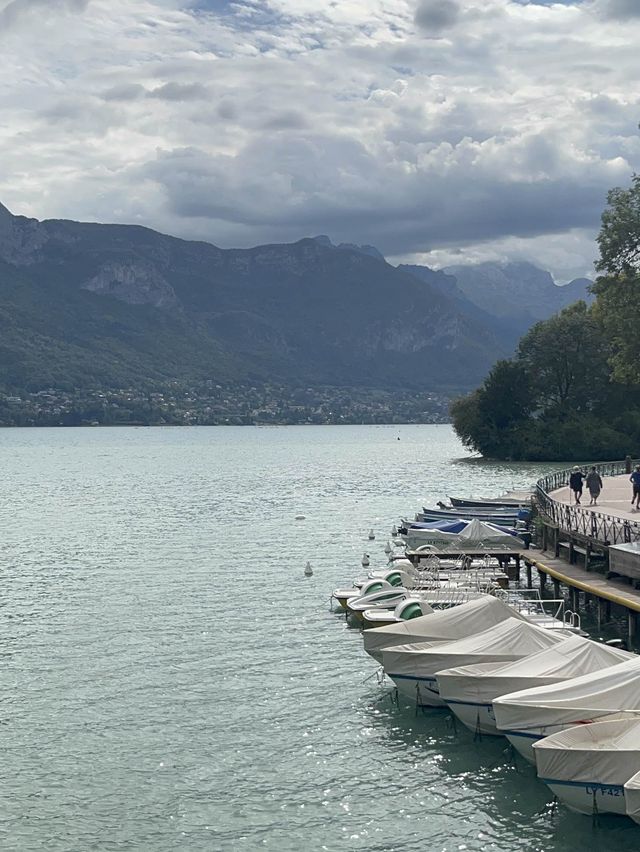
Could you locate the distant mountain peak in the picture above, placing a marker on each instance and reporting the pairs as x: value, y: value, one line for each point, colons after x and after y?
x: 370, y: 251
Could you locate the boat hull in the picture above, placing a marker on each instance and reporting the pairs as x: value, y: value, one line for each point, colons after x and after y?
x: 494, y: 504
x: 589, y: 797
x: 523, y: 741
x: 479, y: 718
x: 423, y: 691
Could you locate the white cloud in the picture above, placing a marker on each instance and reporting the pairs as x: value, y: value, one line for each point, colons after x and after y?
x: 251, y: 122
x: 13, y: 12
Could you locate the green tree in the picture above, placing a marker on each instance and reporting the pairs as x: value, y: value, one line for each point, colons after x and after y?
x: 493, y: 419
x: 617, y: 309
x: 565, y: 358
x: 619, y: 237
x: 617, y: 292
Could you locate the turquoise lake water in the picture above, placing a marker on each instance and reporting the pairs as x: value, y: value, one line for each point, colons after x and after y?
x: 171, y: 681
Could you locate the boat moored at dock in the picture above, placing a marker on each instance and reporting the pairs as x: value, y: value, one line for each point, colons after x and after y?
x: 587, y: 766
x: 444, y: 626
x: 470, y: 690
x: 413, y: 667
x: 532, y: 714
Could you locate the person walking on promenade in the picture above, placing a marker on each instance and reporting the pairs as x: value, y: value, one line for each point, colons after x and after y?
x: 594, y: 484
x: 635, y: 480
x: 575, y: 483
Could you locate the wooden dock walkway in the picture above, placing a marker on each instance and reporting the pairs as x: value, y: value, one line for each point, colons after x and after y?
x: 573, y: 576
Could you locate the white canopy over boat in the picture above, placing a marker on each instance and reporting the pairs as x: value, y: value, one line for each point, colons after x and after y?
x: 413, y: 667
x: 476, y: 534
x: 531, y: 714
x: 587, y: 766
x: 470, y: 690
x: 443, y: 626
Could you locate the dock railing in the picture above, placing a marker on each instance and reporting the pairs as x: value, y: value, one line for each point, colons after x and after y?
x: 598, y: 526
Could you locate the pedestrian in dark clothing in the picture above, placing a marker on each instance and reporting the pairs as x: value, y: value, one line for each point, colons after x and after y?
x: 635, y: 480
x: 575, y: 483
x: 594, y: 484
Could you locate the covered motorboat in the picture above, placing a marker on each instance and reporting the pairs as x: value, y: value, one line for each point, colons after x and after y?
x: 494, y: 515
x: 587, y: 766
x: 413, y: 667
x: 470, y: 690
x: 632, y: 797
x: 445, y: 626
x: 513, y: 498
x: 531, y: 714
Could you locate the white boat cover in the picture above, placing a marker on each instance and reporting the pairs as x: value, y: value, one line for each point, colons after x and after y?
x: 632, y: 797
x: 571, y: 702
x: 480, y: 684
x: 606, y: 753
x: 442, y: 626
x: 512, y: 639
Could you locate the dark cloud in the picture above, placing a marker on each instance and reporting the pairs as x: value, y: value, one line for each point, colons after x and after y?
x: 622, y: 10
x: 274, y: 191
x: 287, y: 120
x: 179, y: 92
x: 227, y: 110
x: 435, y: 16
x: 124, y: 92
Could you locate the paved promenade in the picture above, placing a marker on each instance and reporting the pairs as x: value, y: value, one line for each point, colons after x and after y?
x: 614, y: 499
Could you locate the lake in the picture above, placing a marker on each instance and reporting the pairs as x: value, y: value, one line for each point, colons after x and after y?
x: 172, y: 681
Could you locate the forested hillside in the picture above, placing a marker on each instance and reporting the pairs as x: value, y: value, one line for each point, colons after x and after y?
x: 82, y: 303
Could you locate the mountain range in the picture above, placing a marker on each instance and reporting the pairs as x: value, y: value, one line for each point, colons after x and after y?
x: 86, y: 304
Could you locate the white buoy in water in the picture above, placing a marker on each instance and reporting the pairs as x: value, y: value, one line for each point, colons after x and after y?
x: 387, y: 548
x: 394, y: 531
x: 372, y: 535
x: 300, y: 517
x: 365, y: 560
x: 308, y: 570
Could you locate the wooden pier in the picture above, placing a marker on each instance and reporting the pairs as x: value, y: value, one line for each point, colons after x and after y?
x: 584, y: 536
x: 605, y: 592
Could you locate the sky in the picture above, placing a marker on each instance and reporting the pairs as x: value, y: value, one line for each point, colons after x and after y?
x: 440, y: 131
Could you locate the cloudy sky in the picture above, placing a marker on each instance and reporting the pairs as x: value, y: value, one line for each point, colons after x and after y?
x: 442, y: 131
